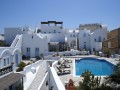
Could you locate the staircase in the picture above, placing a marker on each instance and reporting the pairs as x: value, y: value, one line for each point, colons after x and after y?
x: 17, y: 41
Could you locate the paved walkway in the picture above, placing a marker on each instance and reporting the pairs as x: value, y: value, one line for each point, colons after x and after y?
x: 39, y: 76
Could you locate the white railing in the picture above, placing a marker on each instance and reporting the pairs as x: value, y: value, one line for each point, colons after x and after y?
x: 14, y: 41
x: 44, y: 84
x: 54, y: 80
x: 17, y: 41
x: 29, y: 76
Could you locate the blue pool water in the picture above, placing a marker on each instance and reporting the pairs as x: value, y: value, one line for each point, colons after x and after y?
x: 96, y: 66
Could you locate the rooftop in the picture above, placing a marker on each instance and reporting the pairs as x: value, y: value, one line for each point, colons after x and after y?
x: 9, y: 79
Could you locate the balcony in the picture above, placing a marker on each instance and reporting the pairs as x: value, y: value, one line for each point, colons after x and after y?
x: 5, y: 70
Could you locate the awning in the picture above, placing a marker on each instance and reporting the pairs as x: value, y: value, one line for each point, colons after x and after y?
x: 10, y: 79
x: 54, y: 43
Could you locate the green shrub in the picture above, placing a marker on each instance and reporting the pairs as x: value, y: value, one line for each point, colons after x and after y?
x: 21, y: 66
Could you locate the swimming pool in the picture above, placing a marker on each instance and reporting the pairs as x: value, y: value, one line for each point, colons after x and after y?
x: 96, y: 66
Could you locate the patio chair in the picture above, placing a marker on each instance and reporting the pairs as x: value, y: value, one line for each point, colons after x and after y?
x: 68, y: 61
x: 64, y: 66
x: 63, y: 71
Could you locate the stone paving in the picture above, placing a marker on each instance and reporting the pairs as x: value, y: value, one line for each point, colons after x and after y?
x: 39, y: 76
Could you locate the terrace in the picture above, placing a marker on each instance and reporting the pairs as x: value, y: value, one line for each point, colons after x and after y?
x: 66, y: 77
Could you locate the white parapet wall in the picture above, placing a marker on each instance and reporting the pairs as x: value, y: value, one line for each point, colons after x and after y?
x: 54, y: 81
x: 44, y: 84
x: 29, y: 75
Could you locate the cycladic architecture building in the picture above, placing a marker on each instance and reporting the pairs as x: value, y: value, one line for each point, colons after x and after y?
x: 87, y: 37
x: 50, y: 37
x: 31, y: 44
x: 55, y: 33
x: 72, y: 39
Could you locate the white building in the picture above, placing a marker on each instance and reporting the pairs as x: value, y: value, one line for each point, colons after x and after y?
x: 9, y: 59
x: 72, y: 38
x: 88, y: 37
x: 31, y: 44
x: 37, y: 45
x: 55, y: 33
x: 93, y: 36
x: 84, y: 40
x: 97, y: 37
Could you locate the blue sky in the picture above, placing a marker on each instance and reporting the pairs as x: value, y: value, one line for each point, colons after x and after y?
x: 16, y: 13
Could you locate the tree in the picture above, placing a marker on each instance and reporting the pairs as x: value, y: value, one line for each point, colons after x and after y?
x: 89, y: 82
x: 42, y: 56
x: 38, y: 30
x: 21, y: 66
x: 115, y: 77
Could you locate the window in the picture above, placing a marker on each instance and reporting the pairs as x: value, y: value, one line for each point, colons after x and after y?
x: 54, y: 31
x: 36, y: 49
x: 95, y: 39
x: 59, y: 32
x: 49, y: 32
x: 73, y: 35
x: 44, y: 32
x: 84, y: 35
x: 28, y: 49
x: 4, y: 62
x: 93, y: 49
x: 32, y: 36
x: 84, y: 45
x: 99, y: 39
x: 8, y: 61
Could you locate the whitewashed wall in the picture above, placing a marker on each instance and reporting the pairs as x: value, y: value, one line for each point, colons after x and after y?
x: 55, y: 81
x: 83, y: 39
x: 32, y: 43
x: 96, y: 34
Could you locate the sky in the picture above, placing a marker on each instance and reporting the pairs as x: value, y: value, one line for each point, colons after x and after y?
x: 19, y: 13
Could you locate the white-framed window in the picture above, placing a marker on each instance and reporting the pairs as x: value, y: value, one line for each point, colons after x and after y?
x: 28, y: 49
x: 95, y: 39
x: 99, y: 38
x: 84, y: 34
x: 8, y: 61
x: 37, y: 49
x: 4, y: 61
x: 54, y: 31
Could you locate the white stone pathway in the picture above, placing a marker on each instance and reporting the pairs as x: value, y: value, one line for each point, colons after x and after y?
x: 39, y: 76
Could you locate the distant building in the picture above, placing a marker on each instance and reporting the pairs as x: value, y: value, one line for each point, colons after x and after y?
x: 87, y: 37
x: 72, y: 39
x: 54, y: 31
x: 92, y: 27
x: 112, y: 44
